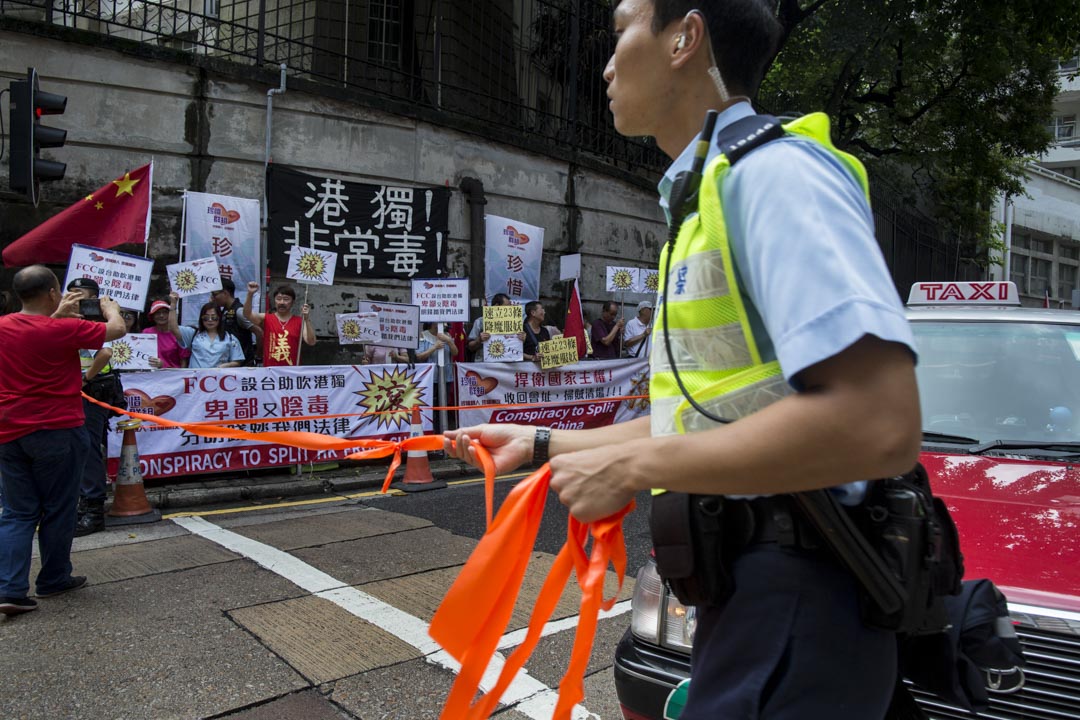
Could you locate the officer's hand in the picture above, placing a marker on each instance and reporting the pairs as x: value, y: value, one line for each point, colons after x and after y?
x: 511, y: 446
x: 593, y: 484
x: 69, y: 305
x: 253, y: 287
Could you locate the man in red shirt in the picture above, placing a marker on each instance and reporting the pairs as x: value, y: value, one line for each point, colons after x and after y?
x: 281, y: 329
x: 43, y: 443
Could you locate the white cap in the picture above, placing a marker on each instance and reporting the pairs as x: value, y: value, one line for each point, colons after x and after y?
x: 643, y: 305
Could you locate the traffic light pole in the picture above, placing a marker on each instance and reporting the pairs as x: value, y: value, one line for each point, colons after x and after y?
x: 26, y: 169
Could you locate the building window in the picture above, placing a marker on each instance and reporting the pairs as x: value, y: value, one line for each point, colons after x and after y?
x: 384, y: 32
x: 1069, y: 172
x: 1066, y: 281
x: 1039, y: 276
x: 1063, y: 127
x: 1070, y: 65
x: 1018, y: 268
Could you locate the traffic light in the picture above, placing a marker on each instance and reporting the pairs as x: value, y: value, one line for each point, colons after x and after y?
x: 28, y: 136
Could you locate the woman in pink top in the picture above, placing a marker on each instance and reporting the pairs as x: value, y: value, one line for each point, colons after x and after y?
x: 170, y: 353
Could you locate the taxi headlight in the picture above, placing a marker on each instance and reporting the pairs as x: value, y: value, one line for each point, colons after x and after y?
x: 658, y: 617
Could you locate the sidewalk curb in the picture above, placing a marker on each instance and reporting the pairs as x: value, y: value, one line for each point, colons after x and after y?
x: 331, y: 482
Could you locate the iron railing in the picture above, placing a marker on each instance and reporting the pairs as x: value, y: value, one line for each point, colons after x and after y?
x: 532, y: 67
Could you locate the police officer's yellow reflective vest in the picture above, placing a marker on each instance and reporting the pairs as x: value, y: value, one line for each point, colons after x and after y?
x: 711, y: 340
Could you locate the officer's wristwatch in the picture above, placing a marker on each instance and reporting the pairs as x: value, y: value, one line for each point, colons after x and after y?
x: 541, y: 442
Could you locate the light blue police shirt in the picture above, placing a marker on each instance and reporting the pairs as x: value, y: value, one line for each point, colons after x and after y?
x: 807, y: 263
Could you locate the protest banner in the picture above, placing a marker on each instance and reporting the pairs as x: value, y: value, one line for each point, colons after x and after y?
x: 353, y: 328
x: 503, y: 319
x: 504, y: 348
x: 312, y: 393
x: 312, y: 267
x: 622, y: 279
x: 399, y: 324
x: 133, y: 351
x: 380, y: 231
x: 194, y: 277
x: 582, y: 391
x: 512, y: 259
x: 226, y: 228
x: 442, y: 300
x: 123, y: 277
x: 558, y: 352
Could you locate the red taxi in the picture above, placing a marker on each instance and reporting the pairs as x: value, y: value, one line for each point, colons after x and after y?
x: 1000, y: 394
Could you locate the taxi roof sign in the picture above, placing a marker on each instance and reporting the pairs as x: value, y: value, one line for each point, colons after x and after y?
x: 991, y: 292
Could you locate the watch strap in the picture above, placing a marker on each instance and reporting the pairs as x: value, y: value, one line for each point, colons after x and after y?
x: 541, y: 444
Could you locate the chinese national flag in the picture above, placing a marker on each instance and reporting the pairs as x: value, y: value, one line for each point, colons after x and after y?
x: 575, y: 322
x: 456, y: 330
x: 115, y: 214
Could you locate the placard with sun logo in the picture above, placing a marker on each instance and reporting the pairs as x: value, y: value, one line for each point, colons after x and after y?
x: 622, y: 279
x: 133, y: 351
x: 308, y: 265
x: 503, y: 348
x: 650, y: 281
x: 194, y: 277
x: 390, y: 393
x: 356, y: 328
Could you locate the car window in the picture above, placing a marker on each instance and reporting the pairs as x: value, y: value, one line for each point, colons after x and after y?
x: 999, y: 380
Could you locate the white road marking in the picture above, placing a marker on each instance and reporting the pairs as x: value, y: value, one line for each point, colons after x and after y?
x: 515, y: 638
x: 528, y: 695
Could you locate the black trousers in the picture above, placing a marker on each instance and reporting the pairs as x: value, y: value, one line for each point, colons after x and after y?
x: 789, y: 645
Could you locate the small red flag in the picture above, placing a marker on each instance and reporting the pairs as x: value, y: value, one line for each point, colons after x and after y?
x: 112, y: 215
x: 1046, y: 298
x: 575, y: 322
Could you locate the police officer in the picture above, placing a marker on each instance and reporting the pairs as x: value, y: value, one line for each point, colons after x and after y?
x: 805, y: 347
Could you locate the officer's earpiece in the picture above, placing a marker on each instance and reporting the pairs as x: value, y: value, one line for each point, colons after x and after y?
x: 681, y: 42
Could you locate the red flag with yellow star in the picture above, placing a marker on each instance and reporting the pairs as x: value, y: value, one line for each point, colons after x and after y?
x: 115, y: 214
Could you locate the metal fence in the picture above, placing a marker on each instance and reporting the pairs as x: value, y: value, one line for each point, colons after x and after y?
x: 529, y: 66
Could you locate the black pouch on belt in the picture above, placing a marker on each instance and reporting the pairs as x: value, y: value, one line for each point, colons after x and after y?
x: 688, y: 540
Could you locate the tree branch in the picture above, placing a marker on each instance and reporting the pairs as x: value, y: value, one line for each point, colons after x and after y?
x: 875, y: 151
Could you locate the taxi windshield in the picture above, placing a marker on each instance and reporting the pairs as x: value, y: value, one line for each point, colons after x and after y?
x: 999, y: 380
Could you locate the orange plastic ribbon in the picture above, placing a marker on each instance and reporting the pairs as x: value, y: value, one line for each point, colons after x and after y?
x: 371, y: 449
x: 476, y: 610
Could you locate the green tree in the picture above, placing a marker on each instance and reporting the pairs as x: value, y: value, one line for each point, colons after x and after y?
x: 946, y: 100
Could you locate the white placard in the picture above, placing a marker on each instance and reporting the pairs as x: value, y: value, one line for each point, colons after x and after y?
x: 125, y: 278
x: 622, y: 279
x: 503, y: 348
x: 399, y: 324
x: 310, y: 266
x: 133, y: 352
x: 648, y: 281
x: 570, y: 267
x: 194, y: 277
x: 442, y: 300
x: 354, y: 328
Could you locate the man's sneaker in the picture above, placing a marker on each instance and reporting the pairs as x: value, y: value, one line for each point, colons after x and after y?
x: 17, y: 606
x: 73, y: 583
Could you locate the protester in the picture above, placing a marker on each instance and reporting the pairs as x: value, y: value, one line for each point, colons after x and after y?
x: 281, y: 329
x: 233, y: 320
x: 607, y: 332
x: 210, y: 345
x: 379, y: 355
x: 807, y: 361
x: 100, y: 382
x: 639, y: 331
x: 477, y: 336
x: 431, y: 343
x: 170, y: 353
x: 43, y: 443
x: 535, y: 332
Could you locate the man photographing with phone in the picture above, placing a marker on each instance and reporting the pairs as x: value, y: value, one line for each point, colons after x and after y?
x: 43, y: 444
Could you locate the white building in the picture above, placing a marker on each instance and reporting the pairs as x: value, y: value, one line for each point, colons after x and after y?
x: 1042, y: 229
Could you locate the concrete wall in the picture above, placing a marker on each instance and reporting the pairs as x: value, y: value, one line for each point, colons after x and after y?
x: 205, y: 129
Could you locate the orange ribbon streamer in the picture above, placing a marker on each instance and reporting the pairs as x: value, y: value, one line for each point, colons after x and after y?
x: 372, y: 449
x: 476, y: 610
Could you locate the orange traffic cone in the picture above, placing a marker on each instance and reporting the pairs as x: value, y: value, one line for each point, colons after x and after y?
x: 130, y: 506
x: 417, y: 469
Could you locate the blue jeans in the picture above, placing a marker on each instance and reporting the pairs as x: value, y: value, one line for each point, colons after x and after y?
x: 93, y: 479
x: 40, y: 475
